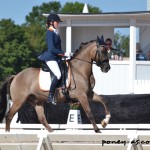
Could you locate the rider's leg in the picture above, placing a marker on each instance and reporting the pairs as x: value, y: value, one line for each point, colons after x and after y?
x: 53, y: 65
x: 52, y: 90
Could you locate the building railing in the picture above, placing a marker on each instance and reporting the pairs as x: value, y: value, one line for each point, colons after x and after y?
x: 118, y: 79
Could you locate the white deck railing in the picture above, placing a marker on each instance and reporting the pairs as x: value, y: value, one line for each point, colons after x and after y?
x: 141, y: 86
x: 118, y: 79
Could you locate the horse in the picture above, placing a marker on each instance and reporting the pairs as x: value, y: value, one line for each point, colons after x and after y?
x: 24, y: 86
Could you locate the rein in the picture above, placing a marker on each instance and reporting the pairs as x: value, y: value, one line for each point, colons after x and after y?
x: 99, y: 63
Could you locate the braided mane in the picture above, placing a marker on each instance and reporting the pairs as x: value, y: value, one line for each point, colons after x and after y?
x: 83, y: 44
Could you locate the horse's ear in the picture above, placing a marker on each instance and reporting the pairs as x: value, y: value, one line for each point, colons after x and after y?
x: 98, y: 39
x: 102, y: 38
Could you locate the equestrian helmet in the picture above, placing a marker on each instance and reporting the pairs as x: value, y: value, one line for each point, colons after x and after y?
x: 53, y: 17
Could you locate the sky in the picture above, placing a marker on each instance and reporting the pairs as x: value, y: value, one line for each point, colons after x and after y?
x: 17, y: 10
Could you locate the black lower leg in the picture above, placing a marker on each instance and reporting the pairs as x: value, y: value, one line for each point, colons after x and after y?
x: 52, y: 89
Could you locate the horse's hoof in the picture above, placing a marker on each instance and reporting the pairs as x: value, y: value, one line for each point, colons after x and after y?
x: 103, y: 123
x: 50, y: 130
x: 7, y: 130
x: 98, y: 131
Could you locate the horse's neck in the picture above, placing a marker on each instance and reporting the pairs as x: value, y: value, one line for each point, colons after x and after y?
x: 86, y: 52
x: 83, y: 61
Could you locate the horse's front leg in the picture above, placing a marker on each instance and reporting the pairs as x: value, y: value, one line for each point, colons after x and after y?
x: 85, y: 104
x: 100, y: 99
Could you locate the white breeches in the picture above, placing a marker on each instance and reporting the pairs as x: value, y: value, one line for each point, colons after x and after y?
x: 53, y: 65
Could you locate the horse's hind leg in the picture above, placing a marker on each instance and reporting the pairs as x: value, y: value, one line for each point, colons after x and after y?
x: 100, y: 99
x: 41, y: 116
x: 9, y: 116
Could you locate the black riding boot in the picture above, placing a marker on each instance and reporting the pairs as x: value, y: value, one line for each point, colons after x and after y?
x: 52, y: 90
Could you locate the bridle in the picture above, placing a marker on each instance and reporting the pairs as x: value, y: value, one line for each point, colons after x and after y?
x: 99, y: 63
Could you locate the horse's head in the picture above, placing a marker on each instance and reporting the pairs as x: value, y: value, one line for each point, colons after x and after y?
x: 101, y: 56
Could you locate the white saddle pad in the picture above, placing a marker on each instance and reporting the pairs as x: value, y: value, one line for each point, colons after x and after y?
x: 44, y: 80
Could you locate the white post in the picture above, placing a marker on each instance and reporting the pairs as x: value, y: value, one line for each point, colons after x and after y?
x: 68, y: 36
x: 132, y: 66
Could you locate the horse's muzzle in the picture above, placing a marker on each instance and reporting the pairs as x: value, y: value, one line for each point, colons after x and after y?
x: 106, y: 68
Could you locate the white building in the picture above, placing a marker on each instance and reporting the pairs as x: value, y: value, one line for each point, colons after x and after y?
x: 148, y: 5
x: 125, y: 77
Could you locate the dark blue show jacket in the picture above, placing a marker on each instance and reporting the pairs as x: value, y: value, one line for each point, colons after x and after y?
x: 54, y: 47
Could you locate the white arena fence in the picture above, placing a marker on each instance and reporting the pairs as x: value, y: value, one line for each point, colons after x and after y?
x: 78, y: 137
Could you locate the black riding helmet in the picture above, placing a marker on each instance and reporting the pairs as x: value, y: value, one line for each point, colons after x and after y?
x: 52, y: 18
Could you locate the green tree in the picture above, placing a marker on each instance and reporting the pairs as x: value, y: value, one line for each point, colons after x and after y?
x: 35, y: 36
x: 14, y: 49
x: 121, y: 42
x: 36, y: 16
x: 77, y: 7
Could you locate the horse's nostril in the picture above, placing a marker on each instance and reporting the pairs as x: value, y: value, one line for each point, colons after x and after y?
x: 108, y: 68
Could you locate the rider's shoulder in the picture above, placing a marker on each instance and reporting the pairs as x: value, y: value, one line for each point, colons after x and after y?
x: 49, y: 33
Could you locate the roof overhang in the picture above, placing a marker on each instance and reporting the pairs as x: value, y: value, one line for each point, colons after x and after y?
x: 115, y: 15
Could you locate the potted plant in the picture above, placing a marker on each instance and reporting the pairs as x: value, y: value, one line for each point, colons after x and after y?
x: 75, y: 106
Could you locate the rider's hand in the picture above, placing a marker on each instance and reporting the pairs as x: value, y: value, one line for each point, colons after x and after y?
x: 67, y: 54
x: 68, y: 58
x: 71, y: 54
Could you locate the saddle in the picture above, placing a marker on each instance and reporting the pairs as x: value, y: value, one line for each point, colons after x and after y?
x: 48, y: 75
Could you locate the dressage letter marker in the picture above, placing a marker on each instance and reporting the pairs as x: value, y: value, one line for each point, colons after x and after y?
x: 71, y: 118
x: 74, y: 118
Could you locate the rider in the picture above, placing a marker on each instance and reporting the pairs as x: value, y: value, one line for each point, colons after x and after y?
x: 52, y: 56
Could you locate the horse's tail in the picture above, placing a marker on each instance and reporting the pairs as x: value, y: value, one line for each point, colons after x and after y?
x: 4, y: 90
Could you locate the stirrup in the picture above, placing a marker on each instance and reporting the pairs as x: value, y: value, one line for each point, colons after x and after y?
x: 54, y: 103
x: 64, y: 90
x: 51, y: 99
